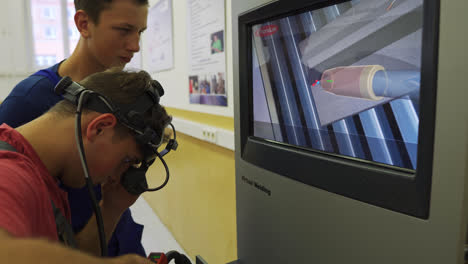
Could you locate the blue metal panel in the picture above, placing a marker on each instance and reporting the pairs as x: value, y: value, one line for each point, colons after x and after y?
x: 292, y: 39
x: 375, y: 137
x: 355, y: 138
x: 283, y: 85
x: 408, y: 123
x: 396, y: 156
x: 343, y: 138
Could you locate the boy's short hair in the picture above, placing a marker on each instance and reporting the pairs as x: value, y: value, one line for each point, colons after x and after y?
x: 94, y: 7
x: 121, y: 87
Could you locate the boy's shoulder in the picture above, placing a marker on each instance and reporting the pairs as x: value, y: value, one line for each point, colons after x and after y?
x: 39, y: 83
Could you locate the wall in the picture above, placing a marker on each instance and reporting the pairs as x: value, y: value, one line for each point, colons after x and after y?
x: 14, y: 45
x: 175, y: 81
x: 198, y: 204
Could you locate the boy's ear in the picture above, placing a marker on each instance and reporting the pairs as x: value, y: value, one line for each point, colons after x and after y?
x: 82, y: 23
x: 103, y: 123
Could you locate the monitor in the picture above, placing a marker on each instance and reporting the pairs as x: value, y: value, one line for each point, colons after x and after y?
x: 350, y: 131
x: 346, y: 88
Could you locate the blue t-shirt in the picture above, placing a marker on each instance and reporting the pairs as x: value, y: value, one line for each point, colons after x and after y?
x: 31, y: 98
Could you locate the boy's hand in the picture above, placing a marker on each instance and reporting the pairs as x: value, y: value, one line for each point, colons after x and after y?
x: 115, y: 197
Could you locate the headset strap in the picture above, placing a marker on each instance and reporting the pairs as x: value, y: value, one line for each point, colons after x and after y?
x: 64, y: 229
x: 6, y: 146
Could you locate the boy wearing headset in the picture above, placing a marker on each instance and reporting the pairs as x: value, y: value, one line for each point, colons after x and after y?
x: 46, y: 156
x: 110, y: 33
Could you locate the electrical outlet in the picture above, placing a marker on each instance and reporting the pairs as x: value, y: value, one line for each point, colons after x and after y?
x: 209, y: 134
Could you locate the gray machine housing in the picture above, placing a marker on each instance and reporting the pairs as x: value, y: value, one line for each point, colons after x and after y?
x: 282, y: 220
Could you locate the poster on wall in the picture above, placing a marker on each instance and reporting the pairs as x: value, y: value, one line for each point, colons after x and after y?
x: 206, y: 46
x: 159, y: 32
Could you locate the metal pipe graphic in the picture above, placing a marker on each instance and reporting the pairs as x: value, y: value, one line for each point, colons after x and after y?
x: 370, y: 82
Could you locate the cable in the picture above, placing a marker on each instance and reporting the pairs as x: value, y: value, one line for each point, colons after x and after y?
x: 178, y: 258
x: 173, y: 129
x: 89, y: 182
x: 164, y: 163
x: 167, y: 174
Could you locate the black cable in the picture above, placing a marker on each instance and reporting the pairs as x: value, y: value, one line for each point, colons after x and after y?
x: 178, y: 258
x: 99, y: 220
x: 164, y: 163
x: 173, y: 129
x: 89, y: 182
x: 466, y: 254
x: 167, y: 174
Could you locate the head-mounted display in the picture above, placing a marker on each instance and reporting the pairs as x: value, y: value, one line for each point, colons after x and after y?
x: 132, y: 116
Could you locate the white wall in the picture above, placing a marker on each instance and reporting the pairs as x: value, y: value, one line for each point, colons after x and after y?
x: 14, y: 46
x: 175, y: 81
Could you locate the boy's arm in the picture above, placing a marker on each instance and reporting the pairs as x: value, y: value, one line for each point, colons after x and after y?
x: 88, y: 238
x: 41, y: 251
x: 115, y: 200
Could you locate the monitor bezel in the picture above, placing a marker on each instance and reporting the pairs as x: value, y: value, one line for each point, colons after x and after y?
x: 401, y: 190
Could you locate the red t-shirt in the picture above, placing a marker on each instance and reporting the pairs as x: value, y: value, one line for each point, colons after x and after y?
x: 26, y: 190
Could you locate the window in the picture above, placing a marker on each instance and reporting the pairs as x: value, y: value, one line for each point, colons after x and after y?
x: 70, y: 14
x: 40, y: 60
x: 51, y: 42
x: 51, y: 60
x: 44, y: 61
x: 48, y: 12
x: 74, y: 36
x: 50, y: 32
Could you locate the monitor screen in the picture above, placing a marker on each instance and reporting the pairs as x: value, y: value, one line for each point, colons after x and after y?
x: 343, y: 79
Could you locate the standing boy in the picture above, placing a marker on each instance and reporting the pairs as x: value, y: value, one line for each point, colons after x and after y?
x: 109, y: 36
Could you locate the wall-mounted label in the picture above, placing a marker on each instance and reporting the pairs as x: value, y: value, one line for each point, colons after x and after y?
x: 267, y: 30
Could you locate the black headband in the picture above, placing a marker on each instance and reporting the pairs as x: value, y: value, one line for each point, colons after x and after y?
x: 130, y: 115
